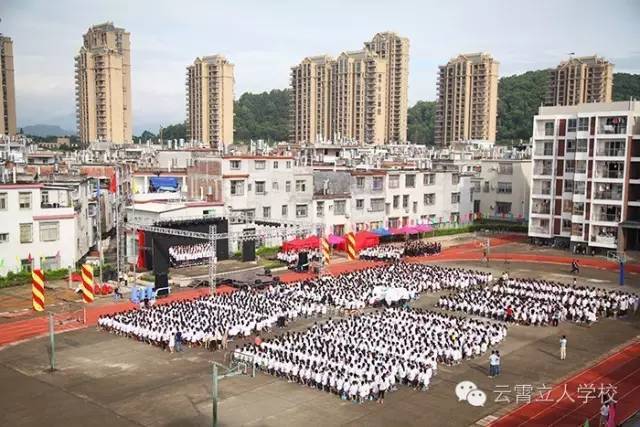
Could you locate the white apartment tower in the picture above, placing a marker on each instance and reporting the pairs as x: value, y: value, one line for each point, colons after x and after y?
x: 209, y: 87
x: 395, y: 49
x: 467, y: 104
x: 586, y: 175
x: 581, y: 80
x: 103, y: 85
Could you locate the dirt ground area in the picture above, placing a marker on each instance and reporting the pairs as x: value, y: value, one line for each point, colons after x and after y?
x: 105, y: 380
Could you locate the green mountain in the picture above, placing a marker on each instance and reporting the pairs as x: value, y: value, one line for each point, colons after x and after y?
x: 262, y: 116
x: 519, y: 97
x: 266, y: 115
x: 420, y: 122
x: 626, y: 86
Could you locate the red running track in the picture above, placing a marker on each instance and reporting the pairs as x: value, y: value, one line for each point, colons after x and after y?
x: 620, y: 370
x: 29, y: 328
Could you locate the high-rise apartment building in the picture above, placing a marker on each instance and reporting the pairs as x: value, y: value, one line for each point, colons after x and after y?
x: 467, y: 104
x: 359, y: 107
x: 395, y: 50
x: 103, y: 85
x: 585, y: 186
x: 7, y: 85
x: 210, y: 101
x: 360, y: 96
x: 580, y: 80
x: 310, y: 100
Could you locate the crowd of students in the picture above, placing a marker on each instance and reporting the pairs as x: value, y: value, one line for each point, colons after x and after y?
x: 394, y: 253
x: 362, y: 357
x: 291, y: 257
x: 540, y: 302
x: 188, y: 255
x: 420, y: 248
x: 246, y: 311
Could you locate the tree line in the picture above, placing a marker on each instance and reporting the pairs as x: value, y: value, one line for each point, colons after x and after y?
x: 266, y: 115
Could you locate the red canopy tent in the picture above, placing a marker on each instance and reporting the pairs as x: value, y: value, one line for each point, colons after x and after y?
x: 311, y: 242
x: 364, y: 239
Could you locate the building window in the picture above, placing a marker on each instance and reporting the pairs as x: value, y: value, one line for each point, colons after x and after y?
x: 377, y: 205
x: 583, y: 124
x: 44, y: 198
x: 405, y: 201
x: 503, y: 208
x: 301, y: 211
x: 274, y: 186
x: 476, y: 187
x: 455, y: 179
x: 237, y: 188
x: 285, y: 211
x: 396, y: 202
x: 504, y: 188
x: 429, y: 179
x: 49, y: 231
x: 301, y: 186
x: 566, y: 225
x: 4, y: 237
x: 338, y: 229
x: 579, y: 187
x: 287, y: 186
x: 571, y: 125
x: 548, y: 129
x: 429, y: 199
x: 360, y: 204
x: 410, y: 181
x: 377, y: 183
x: 394, y: 181
x: 320, y: 209
x: 455, y: 198
x: 24, y: 200
x: 275, y: 165
x: 288, y: 164
x: 26, y: 233
x: 266, y: 212
x: 415, y: 207
x: 4, y: 201
x: 360, y: 183
x: 26, y: 264
x: 505, y: 168
x: 339, y: 207
x: 260, y: 187
x: 235, y: 164
x: 260, y: 164
x: 568, y: 186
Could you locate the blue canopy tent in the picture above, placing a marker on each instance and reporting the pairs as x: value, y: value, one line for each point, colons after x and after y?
x: 160, y: 184
x: 382, y: 231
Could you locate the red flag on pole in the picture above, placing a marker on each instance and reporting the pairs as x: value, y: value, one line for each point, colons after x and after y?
x: 113, y: 185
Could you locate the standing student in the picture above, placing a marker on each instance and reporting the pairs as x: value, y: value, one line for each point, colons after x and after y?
x: 493, y: 364
x: 172, y: 342
x: 574, y: 267
x: 563, y: 347
x: 497, y: 363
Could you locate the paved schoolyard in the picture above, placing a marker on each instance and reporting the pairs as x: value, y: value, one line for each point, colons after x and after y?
x: 104, y: 380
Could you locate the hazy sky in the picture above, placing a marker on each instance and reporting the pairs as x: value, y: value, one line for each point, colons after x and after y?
x: 264, y: 38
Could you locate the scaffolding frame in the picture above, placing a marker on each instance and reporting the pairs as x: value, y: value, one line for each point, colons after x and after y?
x: 292, y: 229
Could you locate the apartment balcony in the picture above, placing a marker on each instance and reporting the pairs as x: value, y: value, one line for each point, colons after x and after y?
x: 608, y: 195
x: 609, y: 174
x: 610, y: 152
x: 605, y: 217
x: 609, y: 241
x: 543, y: 171
x: 537, y: 229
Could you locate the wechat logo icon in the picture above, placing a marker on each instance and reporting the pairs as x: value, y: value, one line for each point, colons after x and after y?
x: 468, y: 391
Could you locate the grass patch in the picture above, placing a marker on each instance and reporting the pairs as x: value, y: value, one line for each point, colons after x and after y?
x: 24, y: 277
